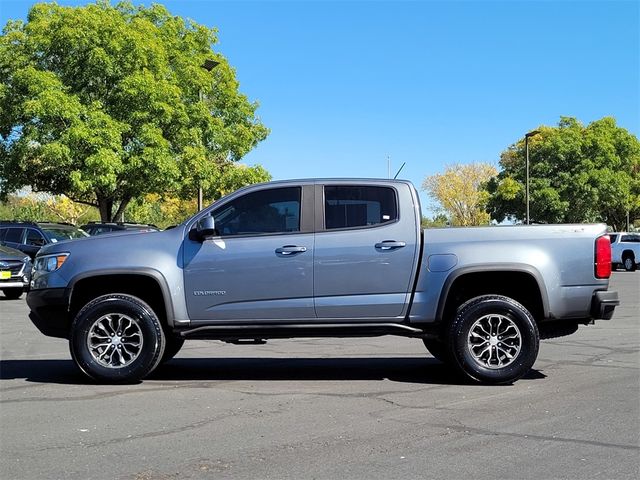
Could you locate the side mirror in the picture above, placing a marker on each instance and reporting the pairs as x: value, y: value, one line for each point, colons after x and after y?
x: 205, y: 228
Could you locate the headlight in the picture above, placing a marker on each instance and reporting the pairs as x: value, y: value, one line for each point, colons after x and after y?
x: 50, y: 263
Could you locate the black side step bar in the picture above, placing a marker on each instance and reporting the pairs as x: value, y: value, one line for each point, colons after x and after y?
x: 262, y: 331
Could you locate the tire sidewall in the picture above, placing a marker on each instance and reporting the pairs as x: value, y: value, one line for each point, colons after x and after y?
x: 479, y: 307
x: 139, y: 312
x: 631, y: 263
x: 437, y: 349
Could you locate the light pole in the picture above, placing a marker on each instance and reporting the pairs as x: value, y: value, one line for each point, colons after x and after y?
x: 526, y: 148
x: 208, y: 65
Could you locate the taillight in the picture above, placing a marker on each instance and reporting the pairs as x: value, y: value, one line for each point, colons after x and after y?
x: 603, y: 257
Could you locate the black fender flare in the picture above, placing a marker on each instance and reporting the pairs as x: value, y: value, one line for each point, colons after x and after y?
x: 488, y: 268
x: 130, y: 271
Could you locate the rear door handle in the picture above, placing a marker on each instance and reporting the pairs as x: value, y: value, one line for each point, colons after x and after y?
x: 290, y: 250
x: 390, y: 245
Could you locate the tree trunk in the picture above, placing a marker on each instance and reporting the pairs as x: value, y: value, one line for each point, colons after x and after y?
x: 105, y: 205
x: 118, y: 217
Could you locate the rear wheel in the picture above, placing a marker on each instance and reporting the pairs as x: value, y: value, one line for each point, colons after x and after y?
x: 117, y: 338
x: 629, y: 263
x: 494, y: 339
x: 12, y: 293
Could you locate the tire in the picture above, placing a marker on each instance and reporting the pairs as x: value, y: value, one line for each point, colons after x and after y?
x: 117, y: 338
x: 629, y: 263
x: 437, y: 349
x: 475, y: 335
x: 172, y: 347
x: 12, y: 293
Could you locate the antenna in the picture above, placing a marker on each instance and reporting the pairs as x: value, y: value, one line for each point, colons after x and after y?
x: 388, y: 166
x: 398, y: 172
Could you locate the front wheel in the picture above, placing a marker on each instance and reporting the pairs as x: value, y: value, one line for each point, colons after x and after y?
x: 117, y: 338
x: 437, y: 349
x: 172, y: 347
x: 494, y: 339
x: 12, y: 293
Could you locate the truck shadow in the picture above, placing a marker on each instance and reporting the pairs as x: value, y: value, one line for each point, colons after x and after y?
x: 397, y: 369
x: 42, y: 371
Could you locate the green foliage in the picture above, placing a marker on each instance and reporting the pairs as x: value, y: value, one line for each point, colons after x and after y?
x: 160, y: 211
x: 438, y: 221
x: 106, y: 104
x: 24, y: 209
x: 577, y: 174
x: 166, y: 210
x: 46, y: 208
x: 226, y: 177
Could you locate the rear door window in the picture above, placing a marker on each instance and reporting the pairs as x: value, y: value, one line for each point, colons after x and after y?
x: 630, y: 238
x: 359, y: 206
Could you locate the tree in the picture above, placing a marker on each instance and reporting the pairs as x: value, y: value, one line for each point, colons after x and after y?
x: 109, y: 103
x: 166, y: 210
x: 227, y: 177
x: 577, y: 174
x: 460, y: 192
x: 29, y: 206
x: 66, y: 210
x: 438, y: 221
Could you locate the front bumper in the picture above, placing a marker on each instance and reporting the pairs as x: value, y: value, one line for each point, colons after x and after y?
x: 50, y: 311
x: 603, y: 304
x: 14, y: 284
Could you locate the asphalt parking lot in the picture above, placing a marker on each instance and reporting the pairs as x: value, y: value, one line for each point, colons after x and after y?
x: 375, y: 408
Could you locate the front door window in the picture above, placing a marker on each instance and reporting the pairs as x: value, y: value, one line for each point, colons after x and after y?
x: 258, y: 213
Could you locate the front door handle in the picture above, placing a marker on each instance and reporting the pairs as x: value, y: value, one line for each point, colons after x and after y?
x: 390, y: 245
x: 290, y: 250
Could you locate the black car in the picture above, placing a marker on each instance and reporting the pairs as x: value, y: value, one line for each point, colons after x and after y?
x: 99, y: 228
x: 29, y: 237
x: 15, y: 272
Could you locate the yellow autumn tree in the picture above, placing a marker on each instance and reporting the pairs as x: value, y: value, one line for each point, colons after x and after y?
x: 66, y: 210
x: 460, y: 192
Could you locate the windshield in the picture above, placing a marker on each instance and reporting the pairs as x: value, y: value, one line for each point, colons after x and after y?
x: 60, y: 234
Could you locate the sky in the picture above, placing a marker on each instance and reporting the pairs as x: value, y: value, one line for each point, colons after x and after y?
x: 349, y: 87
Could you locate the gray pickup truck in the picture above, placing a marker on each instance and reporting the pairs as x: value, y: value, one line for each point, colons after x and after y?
x: 322, y: 258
